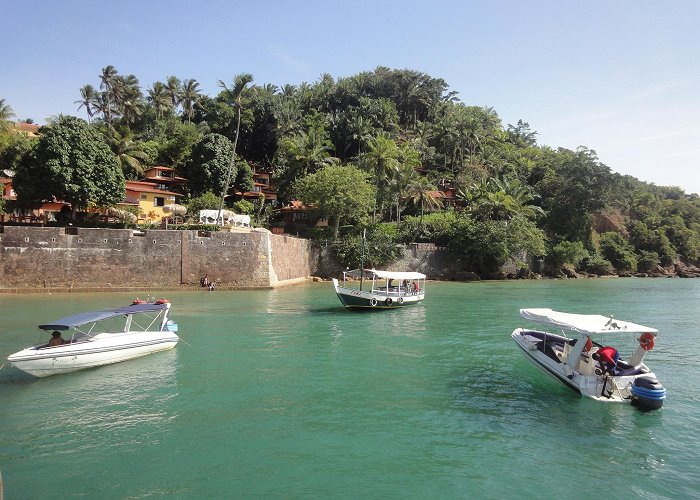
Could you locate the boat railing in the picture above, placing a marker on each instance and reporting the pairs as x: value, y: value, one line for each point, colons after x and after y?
x: 395, y: 291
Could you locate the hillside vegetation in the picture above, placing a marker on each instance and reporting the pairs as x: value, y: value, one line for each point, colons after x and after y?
x: 369, y: 152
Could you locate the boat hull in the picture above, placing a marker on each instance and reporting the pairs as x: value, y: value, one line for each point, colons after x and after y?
x: 103, y: 349
x: 358, y: 299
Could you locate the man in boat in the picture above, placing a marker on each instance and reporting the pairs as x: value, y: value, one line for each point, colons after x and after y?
x: 56, y: 339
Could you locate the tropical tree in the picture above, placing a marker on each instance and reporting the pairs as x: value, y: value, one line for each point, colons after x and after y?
x: 338, y: 193
x: 423, y: 194
x: 71, y: 163
x: 500, y: 199
x: 159, y: 99
x: 521, y: 134
x: 173, y: 89
x: 189, y: 97
x: 575, y: 185
x: 302, y: 154
x: 128, y: 97
x: 6, y: 113
x: 381, y: 158
x: 209, y: 165
x: 131, y: 154
x: 107, y: 83
x: 88, y: 96
x: 399, y: 180
x: 234, y: 94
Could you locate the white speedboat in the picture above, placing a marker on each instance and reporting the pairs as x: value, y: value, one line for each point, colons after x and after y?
x: 565, y: 350
x: 373, y: 289
x: 100, y: 338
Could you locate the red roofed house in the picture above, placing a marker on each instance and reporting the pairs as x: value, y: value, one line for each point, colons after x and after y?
x: 165, y: 178
x: 149, y: 199
x: 45, y: 213
x: 261, y: 184
x: 28, y: 129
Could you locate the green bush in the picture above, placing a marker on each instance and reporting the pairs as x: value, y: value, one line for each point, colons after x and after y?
x: 567, y: 252
x: 596, y: 264
x: 484, y: 246
x: 244, y: 207
x: 618, y: 251
x: 438, y: 228
x: 647, y: 261
x: 379, y: 249
x: 206, y: 201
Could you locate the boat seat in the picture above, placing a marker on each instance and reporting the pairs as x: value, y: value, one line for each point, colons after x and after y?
x: 548, y: 349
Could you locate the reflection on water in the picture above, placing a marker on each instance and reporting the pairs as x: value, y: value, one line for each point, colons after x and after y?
x: 93, y: 406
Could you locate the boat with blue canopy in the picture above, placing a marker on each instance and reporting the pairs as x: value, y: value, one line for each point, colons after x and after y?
x: 100, y: 338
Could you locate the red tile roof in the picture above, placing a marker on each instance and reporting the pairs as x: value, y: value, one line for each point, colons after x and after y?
x: 147, y: 187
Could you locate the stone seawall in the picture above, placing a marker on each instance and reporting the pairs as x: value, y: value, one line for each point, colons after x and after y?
x: 87, y: 258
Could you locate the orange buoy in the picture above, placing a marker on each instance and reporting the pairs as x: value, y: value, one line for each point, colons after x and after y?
x: 647, y: 341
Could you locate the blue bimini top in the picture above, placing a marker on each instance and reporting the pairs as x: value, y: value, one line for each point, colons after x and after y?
x: 90, y: 317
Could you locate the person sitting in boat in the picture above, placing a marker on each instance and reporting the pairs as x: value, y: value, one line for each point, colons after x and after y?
x: 607, y: 357
x: 56, y: 339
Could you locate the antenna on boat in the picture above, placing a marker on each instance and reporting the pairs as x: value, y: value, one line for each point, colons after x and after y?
x: 362, y: 259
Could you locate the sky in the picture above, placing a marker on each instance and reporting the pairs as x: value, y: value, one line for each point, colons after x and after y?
x: 621, y: 77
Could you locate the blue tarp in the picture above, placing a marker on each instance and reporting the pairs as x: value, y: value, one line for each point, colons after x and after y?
x: 90, y: 317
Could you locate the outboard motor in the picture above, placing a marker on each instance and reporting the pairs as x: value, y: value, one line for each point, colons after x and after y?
x: 648, y: 393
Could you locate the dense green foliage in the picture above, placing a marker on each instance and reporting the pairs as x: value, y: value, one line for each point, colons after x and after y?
x: 71, y: 162
x: 374, y: 249
x: 337, y: 193
x: 411, y: 137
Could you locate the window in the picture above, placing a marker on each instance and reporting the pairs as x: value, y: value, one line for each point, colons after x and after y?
x: 158, y: 201
x: 144, y: 196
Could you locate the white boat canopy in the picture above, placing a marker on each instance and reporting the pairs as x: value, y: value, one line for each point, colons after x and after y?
x: 392, y: 275
x: 584, y: 323
x: 90, y: 317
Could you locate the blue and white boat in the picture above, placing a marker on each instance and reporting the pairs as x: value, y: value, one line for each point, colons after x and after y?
x: 100, y: 338
x: 373, y: 289
x: 565, y: 349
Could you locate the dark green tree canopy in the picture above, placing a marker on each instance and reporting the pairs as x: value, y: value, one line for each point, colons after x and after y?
x: 339, y: 193
x: 207, y: 166
x: 72, y: 163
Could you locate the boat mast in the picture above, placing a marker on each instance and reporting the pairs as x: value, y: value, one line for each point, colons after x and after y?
x: 362, y: 258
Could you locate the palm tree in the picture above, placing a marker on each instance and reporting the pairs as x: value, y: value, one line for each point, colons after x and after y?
x: 6, y: 113
x: 159, y: 99
x: 399, y: 179
x: 287, y: 115
x: 189, y: 97
x: 131, y: 155
x: 424, y: 194
x: 309, y: 151
x: 173, y: 88
x: 409, y: 160
x: 501, y: 199
x: 107, y: 81
x: 128, y: 97
x: 234, y: 94
x: 381, y: 158
x: 88, y: 96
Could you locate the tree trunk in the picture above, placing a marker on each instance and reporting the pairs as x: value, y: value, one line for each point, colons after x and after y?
x: 336, y: 227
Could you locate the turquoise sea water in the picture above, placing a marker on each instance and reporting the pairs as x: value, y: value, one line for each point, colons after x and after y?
x: 283, y: 393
